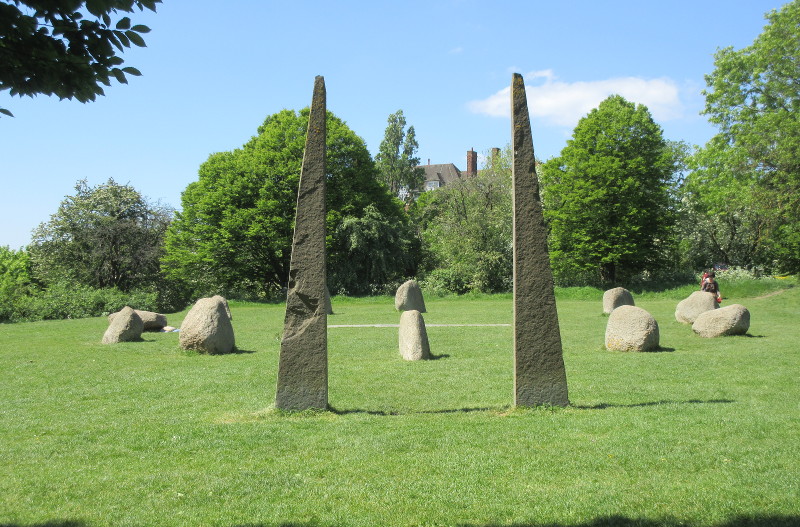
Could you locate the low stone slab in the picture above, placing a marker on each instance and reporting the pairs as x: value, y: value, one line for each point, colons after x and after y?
x: 729, y: 320
x: 409, y: 297
x: 690, y: 308
x: 631, y: 328
x: 413, y: 336
x: 613, y: 298
x: 207, y: 328
x: 126, y: 326
x: 152, y: 321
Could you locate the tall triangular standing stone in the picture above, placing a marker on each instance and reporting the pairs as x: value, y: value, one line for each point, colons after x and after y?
x: 539, y: 374
x: 303, y: 364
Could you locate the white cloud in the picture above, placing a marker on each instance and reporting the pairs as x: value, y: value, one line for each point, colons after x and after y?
x: 563, y: 103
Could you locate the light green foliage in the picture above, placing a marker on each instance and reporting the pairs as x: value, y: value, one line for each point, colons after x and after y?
x: 466, y: 227
x: 702, y: 435
x: 15, y: 279
x: 397, y: 159
x: 103, y: 236
x: 608, y: 198
x: 234, y: 233
x: 748, y: 176
x: 52, y: 48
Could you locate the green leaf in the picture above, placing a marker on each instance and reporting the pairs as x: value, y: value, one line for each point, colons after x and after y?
x: 136, y: 39
x: 6, y: 112
x: 124, y: 23
x: 119, y: 75
x: 140, y: 28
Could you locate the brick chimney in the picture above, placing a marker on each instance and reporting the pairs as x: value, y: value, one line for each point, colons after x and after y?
x: 472, y: 162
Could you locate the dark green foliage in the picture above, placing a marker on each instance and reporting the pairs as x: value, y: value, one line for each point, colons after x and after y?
x: 103, y: 236
x: 15, y: 279
x: 466, y: 226
x: 48, y: 47
x: 234, y: 234
x: 744, y: 195
x: 608, y: 197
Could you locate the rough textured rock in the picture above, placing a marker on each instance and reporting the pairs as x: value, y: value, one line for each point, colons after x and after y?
x: 409, y: 297
x: 126, y: 326
x: 152, y: 321
x: 328, y: 305
x: 303, y: 363
x: 413, y: 336
x: 539, y: 374
x: 729, y: 320
x: 225, y: 304
x: 613, y: 298
x: 207, y: 328
x: 631, y: 328
x: 690, y: 308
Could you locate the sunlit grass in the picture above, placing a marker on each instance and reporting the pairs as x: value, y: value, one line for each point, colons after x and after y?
x: 702, y: 433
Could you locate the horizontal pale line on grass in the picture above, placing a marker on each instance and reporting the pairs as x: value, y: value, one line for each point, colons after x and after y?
x: 426, y: 325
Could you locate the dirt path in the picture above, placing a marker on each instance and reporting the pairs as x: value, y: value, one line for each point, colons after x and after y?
x: 779, y: 291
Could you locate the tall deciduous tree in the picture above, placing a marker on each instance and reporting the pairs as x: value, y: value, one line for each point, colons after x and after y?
x: 748, y: 176
x: 234, y: 233
x: 48, y: 47
x: 103, y: 236
x: 397, y: 159
x: 607, y: 197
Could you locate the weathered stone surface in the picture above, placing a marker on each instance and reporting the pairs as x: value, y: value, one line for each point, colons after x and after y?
x: 409, y: 297
x: 224, y: 303
x: 729, y: 320
x: 618, y: 296
x: 152, y: 321
x: 539, y: 374
x: 690, y: 308
x: 631, y: 328
x: 207, y: 328
x: 126, y: 326
x: 413, y: 336
x: 303, y: 364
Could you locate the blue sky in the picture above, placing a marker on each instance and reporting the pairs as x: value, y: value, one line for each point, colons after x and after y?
x: 214, y: 70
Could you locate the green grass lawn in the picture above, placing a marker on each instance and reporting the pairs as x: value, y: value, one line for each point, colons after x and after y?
x: 705, y: 432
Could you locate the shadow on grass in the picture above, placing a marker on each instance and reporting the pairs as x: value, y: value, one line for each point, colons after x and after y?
x: 603, y: 406
x: 399, y: 412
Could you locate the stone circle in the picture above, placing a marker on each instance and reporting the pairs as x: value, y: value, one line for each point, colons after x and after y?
x: 207, y: 328
x: 729, y: 320
x: 690, y: 308
x: 631, y: 328
x: 613, y: 298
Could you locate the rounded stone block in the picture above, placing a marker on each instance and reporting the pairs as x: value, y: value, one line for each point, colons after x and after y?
x: 409, y: 297
x: 690, y: 308
x: 631, y: 328
x: 207, y: 327
x: 729, y: 320
x: 126, y: 326
x: 413, y: 337
x: 613, y: 298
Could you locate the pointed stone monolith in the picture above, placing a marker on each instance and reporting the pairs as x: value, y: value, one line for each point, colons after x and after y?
x: 303, y: 363
x: 539, y: 374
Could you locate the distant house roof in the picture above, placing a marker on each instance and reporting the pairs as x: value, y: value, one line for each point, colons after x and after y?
x: 444, y: 174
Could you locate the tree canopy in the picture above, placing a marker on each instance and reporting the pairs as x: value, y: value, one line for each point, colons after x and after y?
x: 50, y: 47
x: 397, y: 159
x: 747, y: 178
x: 607, y: 197
x: 103, y: 236
x: 234, y: 233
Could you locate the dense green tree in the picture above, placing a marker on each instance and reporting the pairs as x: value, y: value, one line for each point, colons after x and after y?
x: 397, y: 159
x: 747, y: 178
x: 103, y: 236
x: 466, y: 227
x: 48, y: 47
x: 15, y: 279
x: 234, y: 233
x: 608, y: 197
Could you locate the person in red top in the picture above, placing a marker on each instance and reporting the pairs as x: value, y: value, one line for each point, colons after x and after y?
x: 710, y: 285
